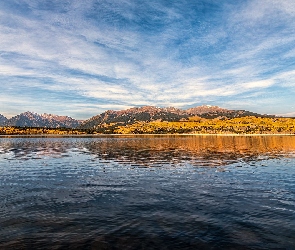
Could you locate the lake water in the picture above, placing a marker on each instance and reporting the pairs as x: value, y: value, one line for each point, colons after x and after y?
x: 148, y: 192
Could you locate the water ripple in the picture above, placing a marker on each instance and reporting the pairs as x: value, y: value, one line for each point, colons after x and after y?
x: 147, y: 193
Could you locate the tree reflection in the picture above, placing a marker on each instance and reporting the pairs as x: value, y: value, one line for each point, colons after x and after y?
x: 154, y: 151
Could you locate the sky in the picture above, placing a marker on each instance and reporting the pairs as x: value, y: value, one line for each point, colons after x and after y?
x: 81, y: 58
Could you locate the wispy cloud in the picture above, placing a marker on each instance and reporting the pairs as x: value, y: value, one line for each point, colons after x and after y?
x: 99, y: 55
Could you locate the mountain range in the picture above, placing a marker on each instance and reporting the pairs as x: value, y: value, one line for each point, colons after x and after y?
x: 151, y: 113
x: 123, y: 117
x: 3, y: 119
x: 30, y: 119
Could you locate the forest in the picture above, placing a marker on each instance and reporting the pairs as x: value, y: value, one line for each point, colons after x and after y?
x: 197, y: 125
x: 38, y: 131
x: 192, y: 125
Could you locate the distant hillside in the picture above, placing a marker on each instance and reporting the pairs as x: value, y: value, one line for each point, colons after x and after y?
x: 30, y: 119
x: 210, y: 112
x: 151, y: 113
x: 129, y: 116
x: 124, y: 117
x: 3, y: 119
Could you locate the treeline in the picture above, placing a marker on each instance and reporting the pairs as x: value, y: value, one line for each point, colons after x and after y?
x: 37, y: 130
x: 197, y: 125
x: 192, y: 125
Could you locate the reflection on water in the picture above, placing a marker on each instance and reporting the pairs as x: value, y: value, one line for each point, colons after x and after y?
x: 155, y: 151
x: 148, y: 192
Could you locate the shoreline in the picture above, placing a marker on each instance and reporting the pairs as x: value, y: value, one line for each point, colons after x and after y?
x: 126, y: 135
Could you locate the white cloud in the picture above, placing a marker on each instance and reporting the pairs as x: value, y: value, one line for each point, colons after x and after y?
x: 289, y: 114
x: 258, y: 84
x: 127, y: 67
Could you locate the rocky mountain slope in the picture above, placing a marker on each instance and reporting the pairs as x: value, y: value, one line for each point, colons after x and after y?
x: 123, y: 117
x: 129, y: 116
x: 3, y: 119
x: 30, y: 119
x: 209, y: 112
x: 151, y: 113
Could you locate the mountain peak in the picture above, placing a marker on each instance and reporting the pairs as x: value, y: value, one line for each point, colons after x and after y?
x: 124, y: 117
x: 152, y: 113
x: 28, y: 113
x: 3, y: 119
x: 205, y: 109
x: 32, y: 119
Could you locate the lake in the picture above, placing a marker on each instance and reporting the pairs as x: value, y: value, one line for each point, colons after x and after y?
x: 147, y: 192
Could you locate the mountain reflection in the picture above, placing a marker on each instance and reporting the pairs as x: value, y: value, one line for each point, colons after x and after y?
x: 154, y: 151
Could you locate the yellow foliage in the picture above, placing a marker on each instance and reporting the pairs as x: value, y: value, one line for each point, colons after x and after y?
x: 36, y: 131
x: 194, y: 125
x: 197, y: 125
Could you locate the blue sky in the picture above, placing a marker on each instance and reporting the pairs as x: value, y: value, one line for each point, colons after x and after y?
x: 80, y: 58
